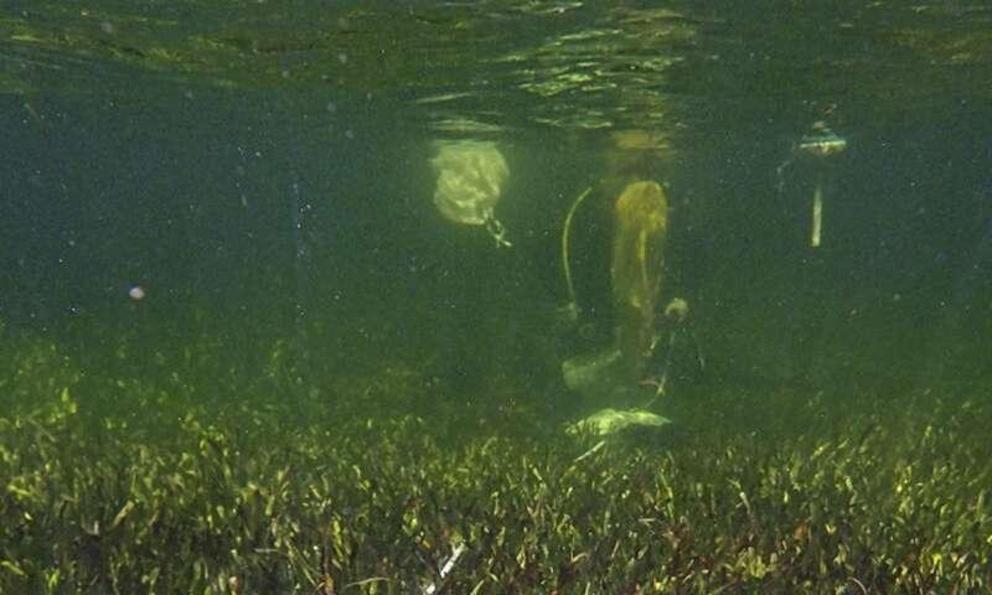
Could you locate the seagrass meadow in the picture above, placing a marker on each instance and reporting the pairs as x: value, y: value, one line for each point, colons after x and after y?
x: 342, y: 492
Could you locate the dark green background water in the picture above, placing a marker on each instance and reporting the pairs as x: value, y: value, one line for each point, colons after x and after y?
x: 263, y: 172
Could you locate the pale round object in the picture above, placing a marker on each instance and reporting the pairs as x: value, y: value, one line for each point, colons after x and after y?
x: 470, y: 178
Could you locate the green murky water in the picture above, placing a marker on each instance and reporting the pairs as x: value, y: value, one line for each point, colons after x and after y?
x: 237, y: 325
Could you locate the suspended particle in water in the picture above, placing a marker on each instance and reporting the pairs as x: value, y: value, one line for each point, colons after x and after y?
x: 136, y: 292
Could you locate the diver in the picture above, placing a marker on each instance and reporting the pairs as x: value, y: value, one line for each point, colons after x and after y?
x: 815, y: 147
x: 646, y: 333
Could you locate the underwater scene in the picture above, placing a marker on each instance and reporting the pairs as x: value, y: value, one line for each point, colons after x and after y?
x: 495, y: 297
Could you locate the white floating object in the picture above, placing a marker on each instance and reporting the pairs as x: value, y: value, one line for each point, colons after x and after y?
x: 470, y: 180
